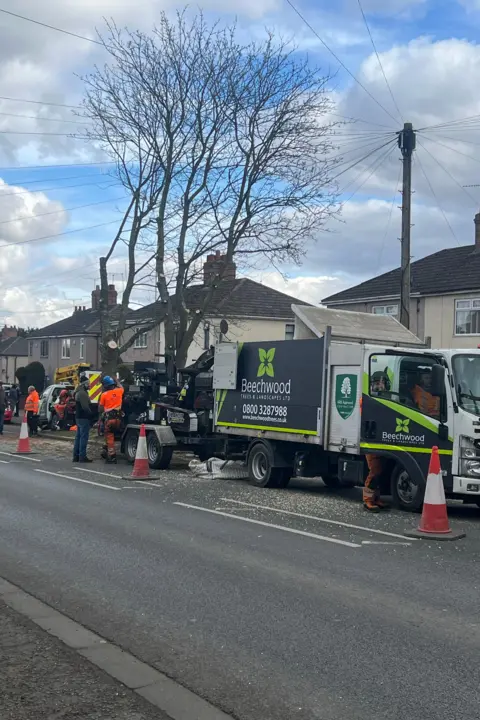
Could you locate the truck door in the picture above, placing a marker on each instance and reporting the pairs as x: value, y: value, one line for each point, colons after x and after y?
x: 345, y: 387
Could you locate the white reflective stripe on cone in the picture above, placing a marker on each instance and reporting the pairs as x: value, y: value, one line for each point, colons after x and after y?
x: 434, y: 493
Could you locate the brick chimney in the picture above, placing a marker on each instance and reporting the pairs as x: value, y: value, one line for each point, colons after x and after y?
x: 477, y: 232
x: 8, y: 332
x: 217, y: 265
x: 112, y: 297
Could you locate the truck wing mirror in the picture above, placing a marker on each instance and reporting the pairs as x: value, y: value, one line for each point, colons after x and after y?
x: 438, y: 381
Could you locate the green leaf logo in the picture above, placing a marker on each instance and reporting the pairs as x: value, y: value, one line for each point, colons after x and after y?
x: 403, y: 426
x: 266, y: 362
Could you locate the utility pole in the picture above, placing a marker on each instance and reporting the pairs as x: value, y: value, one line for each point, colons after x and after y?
x: 406, y: 143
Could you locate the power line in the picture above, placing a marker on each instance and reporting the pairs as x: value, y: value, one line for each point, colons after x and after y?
x: 448, y: 147
x: 367, y: 122
x: 65, y: 187
x: 474, y: 200
x: 451, y: 123
x: 35, y: 132
x: 57, y: 212
x: 340, y: 61
x: 382, y: 247
x: 40, y: 102
x: 436, y: 200
x: 50, y: 179
x: 62, y: 234
x: 41, y: 119
x: 377, y: 163
x: 35, y: 167
x: 378, y: 58
x: 51, y: 27
x: 365, y: 157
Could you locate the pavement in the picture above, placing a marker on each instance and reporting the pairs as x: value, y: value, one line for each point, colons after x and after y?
x: 268, y: 604
x: 41, y: 678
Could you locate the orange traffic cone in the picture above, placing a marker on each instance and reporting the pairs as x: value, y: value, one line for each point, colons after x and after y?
x: 141, y: 469
x: 23, y: 446
x: 434, y: 521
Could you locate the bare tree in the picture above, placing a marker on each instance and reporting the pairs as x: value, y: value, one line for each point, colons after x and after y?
x: 238, y: 153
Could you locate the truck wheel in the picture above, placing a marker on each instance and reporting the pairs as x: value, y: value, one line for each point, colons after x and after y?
x: 159, y: 456
x: 261, y: 473
x: 408, y: 493
x: 131, y: 441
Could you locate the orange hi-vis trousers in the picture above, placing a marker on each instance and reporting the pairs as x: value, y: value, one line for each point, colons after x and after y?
x: 371, y: 490
x: 111, y: 426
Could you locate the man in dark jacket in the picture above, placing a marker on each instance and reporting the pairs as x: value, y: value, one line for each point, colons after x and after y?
x: 3, y: 406
x: 83, y: 415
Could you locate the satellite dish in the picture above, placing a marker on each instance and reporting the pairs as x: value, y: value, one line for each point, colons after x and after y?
x: 223, y: 326
x: 112, y: 345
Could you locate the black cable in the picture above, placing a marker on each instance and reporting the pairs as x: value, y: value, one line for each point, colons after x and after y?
x: 40, y: 102
x: 474, y: 200
x: 451, y: 123
x: 365, y: 157
x: 39, y: 167
x: 57, y: 212
x: 436, y: 199
x: 51, y: 27
x: 367, y: 122
x: 377, y: 163
x: 378, y: 58
x: 382, y: 248
x: 41, y: 119
x: 43, y: 190
x: 51, y: 237
x: 459, y: 152
x: 50, y: 179
x: 339, y: 61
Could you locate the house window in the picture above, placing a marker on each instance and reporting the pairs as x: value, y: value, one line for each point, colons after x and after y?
x: 65, y: 348
x: 385, y: 310
x: 206, y: 336
x: 141, y: 340
x: 44, y: 348
x: 467, y: 317
x: 289, y: 331
x: 30, y: 348
x: 82, y: 348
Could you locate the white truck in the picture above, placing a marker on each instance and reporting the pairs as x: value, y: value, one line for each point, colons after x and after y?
x: 311, y: 407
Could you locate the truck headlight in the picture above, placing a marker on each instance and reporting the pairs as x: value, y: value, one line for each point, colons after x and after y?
x: 471, y: 467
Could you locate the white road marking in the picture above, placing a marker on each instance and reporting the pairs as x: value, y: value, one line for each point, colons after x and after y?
x: 97, y: 472
x: 80, y: 480
x: 23, y: 457
x: 315, y: 517
x: 5, y: 462
x: 380, y: 542
x: 145, y: 482
x: 130, y: 487
x: 270, y: 525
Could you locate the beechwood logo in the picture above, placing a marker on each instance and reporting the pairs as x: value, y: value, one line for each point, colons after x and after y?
x: 402, y: 426
x: 266, y: 362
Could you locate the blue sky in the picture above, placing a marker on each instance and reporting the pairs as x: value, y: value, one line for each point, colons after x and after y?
x: 431, y: 58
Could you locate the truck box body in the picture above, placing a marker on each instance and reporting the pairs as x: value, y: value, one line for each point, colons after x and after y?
x: 278, y: 390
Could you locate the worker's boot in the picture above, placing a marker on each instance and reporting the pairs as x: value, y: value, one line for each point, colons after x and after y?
x: 369, y: 500
x: 111, y: 460
x: 381, y: 504
x: 371, y: 506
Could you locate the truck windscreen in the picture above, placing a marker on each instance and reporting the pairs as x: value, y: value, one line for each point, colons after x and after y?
x: 466, y: 371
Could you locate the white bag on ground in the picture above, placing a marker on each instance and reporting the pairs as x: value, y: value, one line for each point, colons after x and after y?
x: 221, y: 469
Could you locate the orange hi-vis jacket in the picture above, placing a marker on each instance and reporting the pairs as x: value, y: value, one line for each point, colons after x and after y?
x: 32, y: 403
x: 112, y: 399
x: 425, y: 401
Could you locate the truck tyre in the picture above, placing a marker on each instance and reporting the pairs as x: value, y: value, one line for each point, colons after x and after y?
x: 407, y: 493
x: 261, y: 472
x: 130, y: 445
x: 159, y: 456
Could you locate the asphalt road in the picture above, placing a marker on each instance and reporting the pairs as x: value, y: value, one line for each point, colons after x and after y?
x: 267, y: 614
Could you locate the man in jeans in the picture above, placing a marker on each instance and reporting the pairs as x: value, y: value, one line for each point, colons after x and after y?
x: 3, y: 406
x: 83, y: 415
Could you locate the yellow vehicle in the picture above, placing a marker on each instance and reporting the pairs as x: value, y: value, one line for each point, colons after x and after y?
x: 70, y: 373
